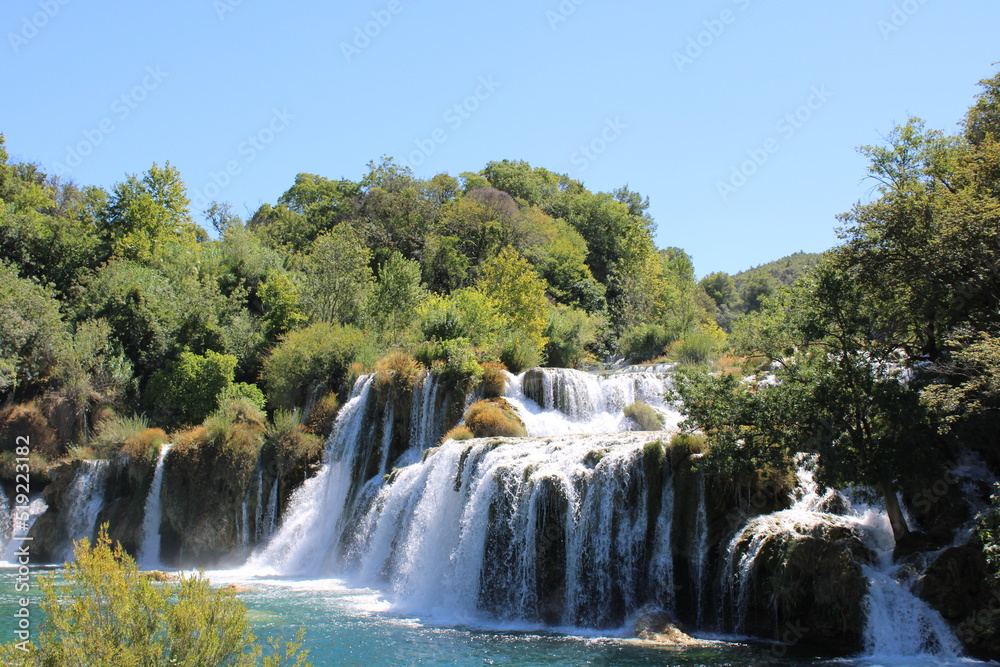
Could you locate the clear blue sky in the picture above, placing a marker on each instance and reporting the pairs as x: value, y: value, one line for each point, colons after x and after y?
x: 200, y: 77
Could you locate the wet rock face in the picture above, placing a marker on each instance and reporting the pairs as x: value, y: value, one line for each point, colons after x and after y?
x: 805, y: 586
x: 956, y: 585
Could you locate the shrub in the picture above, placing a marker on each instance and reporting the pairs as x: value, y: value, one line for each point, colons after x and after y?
x: 246, y: 390
x: 115, y: 431
x: 458, y: 434
x: 323, y: 414
x: 37, y: 464
x: 494, y: 380
x: 645, y: 416
x: 318, y: 355
x: 398, y: 369
x: 291, y: 442
x: 520, y: 353
x: 644, y: 342
x: 494, y: 417
x: 685, y: 444
x: 28, y: 421
x: 699, y: 348
x: 237, y: 429
x: 453, y: 361
x: 145, y: 445
x: 109, y: 613
x: 570, y: 332
x: 193, y: 384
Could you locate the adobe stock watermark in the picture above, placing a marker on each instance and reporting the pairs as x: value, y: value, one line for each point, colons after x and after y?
x: 121, y: 108
x: 588, y: 153
x: 786, y: 128
x: 713, y: 30
x: 454, y: 118
x: 366, y: 34
x: 22, y: 554
x: 562, y: 13
x: 223, y: 7
x: 34, y: 24
x: 247, y: 151
x: 901, y: 14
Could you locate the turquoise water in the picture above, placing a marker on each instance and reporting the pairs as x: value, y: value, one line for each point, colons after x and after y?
x: 346, y: 627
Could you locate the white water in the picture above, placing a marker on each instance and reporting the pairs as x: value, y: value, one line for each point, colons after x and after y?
x: 149, y: 548
x: 10, y: 532
x: 306, y: 542
x: 898, y: 624
x: 456, y: 536
x: 595, y: 402
x: 86, y: 494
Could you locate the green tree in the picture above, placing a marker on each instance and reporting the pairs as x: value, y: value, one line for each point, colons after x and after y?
x: 144, y: 214
x: 193, y: 384
x: 109, y: 614
x: 32, y: 333
x: 393, y: 303
x: 279, y: 298
x: 307, y: 359
x: 520, y: 294
x: 337, y: 277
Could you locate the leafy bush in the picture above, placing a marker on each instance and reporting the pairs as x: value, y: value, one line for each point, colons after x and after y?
x: 453, y: 361
x: 193, y: 384
x: 520, y: 353
x: 645, y: 416
x: 700, y: 347
x: 494, y: 417
x: 398, y: 369
x: 684, y: 444
x: 644, y: 342
x: 110, y: 614
x: 318, y: 355
x: 145, y: 445
x: 246, y: 390
x: 28, y: 421
x: 570, y: 333
x: 37, y: 464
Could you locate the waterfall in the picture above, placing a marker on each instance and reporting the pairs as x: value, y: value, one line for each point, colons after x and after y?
x: 6, y: 520
x: 258, y: 512
x: 86, y: 497
x: 897, y: 622
x: 701, y: 550
x: 426, y: 420
x: 547, y: 530
x: 36, y: 508
x: 561, y: 401
x: 271, y: 518
x: 309, y: 534
x: 149, y: 548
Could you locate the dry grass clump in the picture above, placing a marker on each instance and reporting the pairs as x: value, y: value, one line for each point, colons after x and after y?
x: 494, y: 380
x: 292, y: 442
x: 458, y: 434
x: 27, y: 420
x: 323, y: 415
x: 398, y: 370
x: 145, y: 445
x: 494, y: 417
x: 115, y: 432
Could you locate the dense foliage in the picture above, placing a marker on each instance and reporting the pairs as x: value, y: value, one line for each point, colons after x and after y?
x: 882, y: 357
x: 117, y: 302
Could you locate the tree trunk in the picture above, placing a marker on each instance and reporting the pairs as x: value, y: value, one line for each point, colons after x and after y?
x: 895, y: 512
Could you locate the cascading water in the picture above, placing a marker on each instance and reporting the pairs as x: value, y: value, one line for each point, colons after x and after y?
x: 539, y: 530
x: 18, y: 529
x: 701, y: 550
x: 897, y: 622
x: 308, y: 537
x: 561, y: 401
x: 149, y: 548
x: 86, y: 494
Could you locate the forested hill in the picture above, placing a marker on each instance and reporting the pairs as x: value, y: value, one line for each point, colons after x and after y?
x: 119, y: 306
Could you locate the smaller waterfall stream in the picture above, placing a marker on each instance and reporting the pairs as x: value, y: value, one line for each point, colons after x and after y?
x: 149, y: 548
x: 86, y: 494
